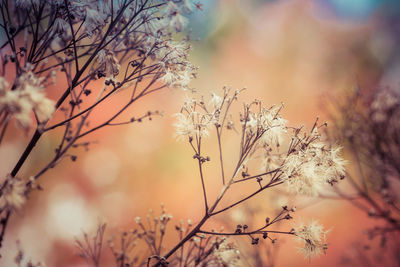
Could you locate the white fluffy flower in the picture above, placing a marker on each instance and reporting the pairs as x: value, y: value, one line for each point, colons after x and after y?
x: 108, y: 63
x: 184, y: 125
x: 192, y: 124
x: 13, y: 193
x: 313, y: 237
x: 269, y: 124
x: 172, y: 57
x: 176, y: 19
x: 305, y: 171
x: 273, y: 125
x: 93, y: 21
x: 225, y: 255
x: 27, y: 96
x: 178, y: 77
x: 215, y: 101
x: 60, y: 26
x: 252, y: 123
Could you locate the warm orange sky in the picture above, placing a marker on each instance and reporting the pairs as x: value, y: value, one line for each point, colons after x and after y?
x: 282, y: 52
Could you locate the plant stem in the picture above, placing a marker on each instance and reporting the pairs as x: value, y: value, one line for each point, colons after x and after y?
x: 192, y: 233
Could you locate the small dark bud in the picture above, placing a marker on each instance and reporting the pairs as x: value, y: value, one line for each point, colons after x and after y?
x: 254, y: 241
x: 73, y: 158
x: 265, y: 235
x: 267, y: 220
x: 288, y: 217
x: 100, y: 74
x: 12, y: 29
x: 87, y: 92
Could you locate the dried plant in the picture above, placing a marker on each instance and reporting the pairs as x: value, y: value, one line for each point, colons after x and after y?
x: 91, y: 249
x: 142, y: 246
x: 288, y: 156
x: 96, y: 50
x: 262, y: 253
x: 84, y: 52
x: 20, y: 260
x: 373, y: 253
x: 368, y: 124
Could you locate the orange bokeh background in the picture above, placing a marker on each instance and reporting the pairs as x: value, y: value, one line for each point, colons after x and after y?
x: 296, y: 52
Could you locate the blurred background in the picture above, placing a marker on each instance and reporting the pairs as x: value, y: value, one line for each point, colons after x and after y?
x: 299, y: 52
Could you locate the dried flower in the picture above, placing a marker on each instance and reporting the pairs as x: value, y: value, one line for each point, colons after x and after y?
x: 178, y: 71
x: 13, y: 193
x: 60, y: 26
x: 225, y: 255
x: 27, y: 96
x: 305, y: 171
x: 177, y: 20
x: 108, y: 63
x: 93, y: 21
x: 215, y: 101
x: 193, y: 123
x: 184, y: 125
x: 268, y: 124
x: 313, y: 237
